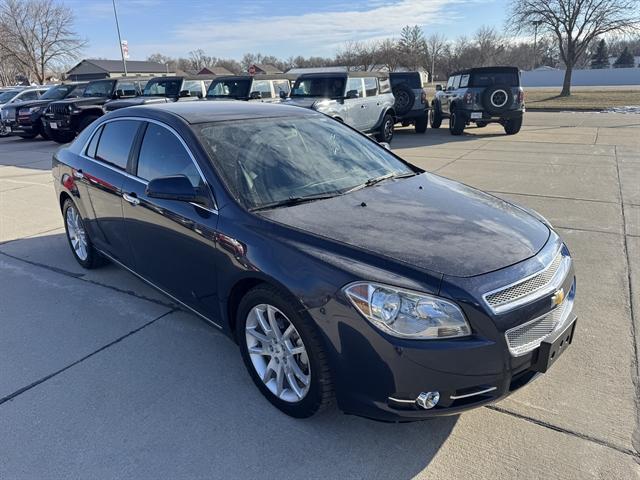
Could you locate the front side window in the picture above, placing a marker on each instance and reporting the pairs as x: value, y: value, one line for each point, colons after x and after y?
x: 128, y: 88
x: 162, y: 154
x: 31, y: 95
x: 115, y: 142
x: 99, y: 89
x: 325, y: 87
x: 450, y: 83
x: 262, y: 86
x: 456, y: 81
x: 162, y: 87
x: 371, y: 86
x: 281, y: 86
x: 355, y: 84
x: 229, y: 88
x: 269, y: 160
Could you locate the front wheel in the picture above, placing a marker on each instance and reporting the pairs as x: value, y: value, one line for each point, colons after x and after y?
x: 421, y: 123
x: 283, y: 353
x: 436, y: 117
x: 456, y: 123
x: 513, y: 125
x: 78, y: 238
x: 386, y: 129
x: 27, y: 136
x: 61, y: 137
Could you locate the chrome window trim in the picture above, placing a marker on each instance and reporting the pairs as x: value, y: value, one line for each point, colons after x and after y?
x: 204, y: 317
x: 142, y: 180
x: 553, y: 284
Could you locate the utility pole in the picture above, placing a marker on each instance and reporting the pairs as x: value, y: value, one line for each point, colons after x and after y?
x: 536, y: 24
x: 115, y: 14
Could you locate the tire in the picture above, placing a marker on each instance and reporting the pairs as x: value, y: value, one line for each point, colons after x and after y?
x: 421, y: 123
x: 86, y: 121
x: 44, y: 134
x: 88, y: 258
x: 481, y: 124
x: 513, y: 125
x: 436, y: 116
x: 61, y: 137
x: 3, y: 131
x: 385, y: 134
x: 405, y: 98
x: 27, y: 136
x: 497, y: 99
x: 312, y: 363
x: 456, y: 123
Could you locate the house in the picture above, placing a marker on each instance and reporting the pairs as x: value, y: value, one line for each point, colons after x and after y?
x: 92, y: 69
x: 262, y: 69
x: 216, y: 71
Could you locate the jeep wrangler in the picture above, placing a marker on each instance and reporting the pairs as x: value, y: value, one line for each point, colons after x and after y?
x: 163, y: 90
x: 481, y: 96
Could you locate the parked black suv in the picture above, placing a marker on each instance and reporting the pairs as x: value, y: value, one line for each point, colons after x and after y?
x: 64, y: 119
x: 28, y: 115
x: 482, y: 96
x: 164, y: 90
x: 411, y: 106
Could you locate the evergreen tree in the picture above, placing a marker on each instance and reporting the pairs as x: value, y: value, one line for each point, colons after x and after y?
x: 600, y: 59
x: 624, y: 60
x: 413, y: 47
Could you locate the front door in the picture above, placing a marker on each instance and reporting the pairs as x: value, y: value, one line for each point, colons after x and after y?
x: 173, y: 242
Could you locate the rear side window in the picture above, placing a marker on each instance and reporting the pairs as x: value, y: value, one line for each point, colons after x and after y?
x: 488, y: 79
x: 262, y: 86
x: 162, y: 154
x: 456, y: 81
x: 115, y: 142
x: 371, y: 86
x: 385, y: 85
x: 194, y: 87
x: 281, y: 86
x: 32, y: 95
x: 128, y: 88
x: 464, y: 81
x: 93, y: 144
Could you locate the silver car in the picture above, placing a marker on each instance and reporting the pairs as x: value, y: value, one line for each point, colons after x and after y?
x: 362, y: 100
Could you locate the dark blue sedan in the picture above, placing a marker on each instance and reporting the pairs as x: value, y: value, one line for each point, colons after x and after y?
x: 343, y: 272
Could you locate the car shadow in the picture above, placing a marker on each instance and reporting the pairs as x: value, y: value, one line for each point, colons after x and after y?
x: 405, y: 137
x: 197, y: 392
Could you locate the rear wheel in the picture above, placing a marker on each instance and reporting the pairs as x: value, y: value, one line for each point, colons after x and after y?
x: 27, y: 136
x: 78, y: 238
x: 456, y: 123
x: 385, y: 134
x: 436, y: 116
x: 513, y: 125
x: 283, y: 353
x: 421, y: 123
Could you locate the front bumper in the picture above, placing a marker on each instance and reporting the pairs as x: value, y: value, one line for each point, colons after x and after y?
x: 57, y: 122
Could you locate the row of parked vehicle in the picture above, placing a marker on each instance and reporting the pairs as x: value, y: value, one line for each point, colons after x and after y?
x: 372, y: 102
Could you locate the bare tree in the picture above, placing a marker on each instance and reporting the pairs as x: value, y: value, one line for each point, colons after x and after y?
x: 575, y: 24
x: 435, y: 48
x: 388, y: 54
x: 199, y: 59
x: 9, y: 70
x: 38, y: 34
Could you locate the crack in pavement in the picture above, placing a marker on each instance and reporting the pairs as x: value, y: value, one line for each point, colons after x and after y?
x: 22, y: 390
x: 573, y: 433
x: 80, y: 276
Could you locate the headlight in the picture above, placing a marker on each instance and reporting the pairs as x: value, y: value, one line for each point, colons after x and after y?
x: 35, y: 109
x: 407, y: 314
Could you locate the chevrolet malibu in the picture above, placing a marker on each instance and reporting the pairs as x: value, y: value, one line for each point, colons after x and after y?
x: 344, y: 273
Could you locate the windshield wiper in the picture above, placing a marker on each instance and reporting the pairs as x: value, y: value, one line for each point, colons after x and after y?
x: 288, y: 202
x: 374, y: 180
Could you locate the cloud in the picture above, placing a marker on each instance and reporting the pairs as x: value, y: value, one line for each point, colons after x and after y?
x: 317, y: 33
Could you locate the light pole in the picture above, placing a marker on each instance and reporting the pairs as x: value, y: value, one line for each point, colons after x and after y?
x: 115, y: 14
x: 536, y: 24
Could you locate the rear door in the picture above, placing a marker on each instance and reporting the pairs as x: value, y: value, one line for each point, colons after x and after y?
x: 173, y: 242
x: 355, y: 107
x: 102, y: 176
x: 373, y: 109
x: 450, y: 93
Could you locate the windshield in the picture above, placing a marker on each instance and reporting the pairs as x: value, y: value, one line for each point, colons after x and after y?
x: 269, y: 160
x: 163, y: 87
x: 229, y: 88
x: 6, y: 96
x: 99, y: 89
x: 77, y: 91
x: 56, y: 93
x: 331, y: 87
x: 488, y: 79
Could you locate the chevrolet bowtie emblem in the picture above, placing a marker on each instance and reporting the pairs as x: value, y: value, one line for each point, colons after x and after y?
x: 558, y: 297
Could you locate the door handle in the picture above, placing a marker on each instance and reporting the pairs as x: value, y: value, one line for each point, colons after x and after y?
x: 131, y: 198
x: 363, y: 106
x: 78, y: 174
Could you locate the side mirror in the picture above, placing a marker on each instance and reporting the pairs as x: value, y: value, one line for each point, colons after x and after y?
x: 175, y: 187
x: 184, y: 93
x: 283, y: 94
x: 438, y: 88
x: 255, y: 96
x: 119, y: 93
x: 352, y: 94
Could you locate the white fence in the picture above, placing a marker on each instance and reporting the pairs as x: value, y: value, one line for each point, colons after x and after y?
x: 582, y: 78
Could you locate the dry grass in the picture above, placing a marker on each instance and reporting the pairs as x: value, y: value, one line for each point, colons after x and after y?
x: 581, y: 99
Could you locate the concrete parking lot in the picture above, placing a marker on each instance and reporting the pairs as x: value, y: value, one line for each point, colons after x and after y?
x: 103, y: 377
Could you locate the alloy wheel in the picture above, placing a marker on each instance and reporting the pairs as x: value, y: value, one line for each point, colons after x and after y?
x: 278, y: 353
x: 77, y: 234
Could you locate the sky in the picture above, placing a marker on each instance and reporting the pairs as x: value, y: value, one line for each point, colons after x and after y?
x: 284, y: 28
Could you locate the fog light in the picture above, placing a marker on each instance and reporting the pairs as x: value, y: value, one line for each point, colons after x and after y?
x: 428, y: 400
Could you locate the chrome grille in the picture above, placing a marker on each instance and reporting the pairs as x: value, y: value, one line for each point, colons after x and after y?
x: 530, y: 335
x: 526, y: 287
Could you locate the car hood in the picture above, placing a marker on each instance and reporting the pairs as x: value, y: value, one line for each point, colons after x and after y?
x: 32, y: 103
x: 306, y: 102
x: 426, y: 221
x: 82, y: 101
x: 130, y: 102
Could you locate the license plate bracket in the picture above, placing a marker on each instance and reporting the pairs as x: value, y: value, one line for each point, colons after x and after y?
x: 53, y: 125
x: 551, y: 349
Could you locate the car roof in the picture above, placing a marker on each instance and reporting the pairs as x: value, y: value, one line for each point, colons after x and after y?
x: 330, y: 74
x: 486, y: 69
x: 272, y: 76
x: 205, y: 111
